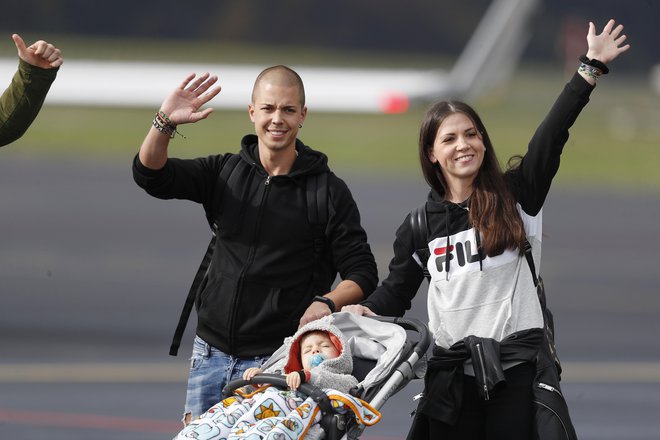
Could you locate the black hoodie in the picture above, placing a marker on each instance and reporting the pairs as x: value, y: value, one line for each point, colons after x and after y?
x: 260, y: 277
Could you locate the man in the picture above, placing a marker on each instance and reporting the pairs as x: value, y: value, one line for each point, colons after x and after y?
x: 20, y: 103
x: 265, y: 278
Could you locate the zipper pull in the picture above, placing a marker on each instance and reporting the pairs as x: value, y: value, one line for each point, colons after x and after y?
x: 267, y: 182
x: 547, y: 387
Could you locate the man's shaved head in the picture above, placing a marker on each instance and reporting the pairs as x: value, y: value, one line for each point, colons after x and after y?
x: 280, y: 76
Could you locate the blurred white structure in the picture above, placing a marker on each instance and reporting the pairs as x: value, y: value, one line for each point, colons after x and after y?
x: 489, y: 58
x: 655, y: 78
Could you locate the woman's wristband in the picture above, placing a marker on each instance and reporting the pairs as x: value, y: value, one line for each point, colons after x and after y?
x: 597, y: 64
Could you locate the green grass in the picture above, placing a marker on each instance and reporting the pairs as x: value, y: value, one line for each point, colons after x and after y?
x: 615, y: 142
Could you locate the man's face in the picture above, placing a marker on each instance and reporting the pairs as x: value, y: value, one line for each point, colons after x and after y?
x: 276, y: 113
x: 316, y: 343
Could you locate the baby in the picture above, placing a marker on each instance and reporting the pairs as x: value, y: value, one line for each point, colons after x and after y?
x: 318, y: 354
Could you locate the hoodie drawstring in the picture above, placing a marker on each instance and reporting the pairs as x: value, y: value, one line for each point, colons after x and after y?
x: 477, y: 238
x: 448, y: 244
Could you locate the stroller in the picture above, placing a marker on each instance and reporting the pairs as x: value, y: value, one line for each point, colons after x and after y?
x: 387, y: 354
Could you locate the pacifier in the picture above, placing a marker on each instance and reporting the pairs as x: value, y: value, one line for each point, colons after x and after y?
x: 316, y: 359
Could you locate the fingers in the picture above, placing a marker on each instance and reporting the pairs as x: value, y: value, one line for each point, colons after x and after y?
x: 199, y: 86
x: 358, y: 310
x: 615, y: 33
x: 198, y: 82
x: 186, y: 81
x: 592, y: 30
x: 608, y: 27
x: 47, y: 52
x: 40, y: 53
x: 198, y: 116
x: 293, y: 381
x: 251, y: 372
x: 210, y: 94
x: 20, y: 44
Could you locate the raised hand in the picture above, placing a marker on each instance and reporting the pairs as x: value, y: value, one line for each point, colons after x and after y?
x: 607, y: 45
x: 183, y: 104
x: 40, y: 54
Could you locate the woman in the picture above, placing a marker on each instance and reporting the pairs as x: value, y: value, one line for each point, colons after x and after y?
x: 483, y: 307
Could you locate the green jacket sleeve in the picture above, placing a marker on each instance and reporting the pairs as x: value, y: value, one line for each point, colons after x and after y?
x: 22, y: 100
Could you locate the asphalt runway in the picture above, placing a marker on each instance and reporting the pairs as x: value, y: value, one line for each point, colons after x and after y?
x: 93, y: 273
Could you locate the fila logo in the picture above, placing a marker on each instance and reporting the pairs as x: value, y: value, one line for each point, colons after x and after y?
x: 462, y: 252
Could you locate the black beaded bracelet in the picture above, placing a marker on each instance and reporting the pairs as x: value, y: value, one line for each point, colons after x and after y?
x: 595, y: 63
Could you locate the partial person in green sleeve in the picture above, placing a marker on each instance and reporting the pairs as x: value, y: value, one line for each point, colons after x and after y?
x: 21, y: 101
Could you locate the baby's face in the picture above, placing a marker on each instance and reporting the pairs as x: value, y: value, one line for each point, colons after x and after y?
x: 315, y: 343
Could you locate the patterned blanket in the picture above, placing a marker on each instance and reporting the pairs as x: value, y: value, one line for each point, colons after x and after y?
x: 270, y: 413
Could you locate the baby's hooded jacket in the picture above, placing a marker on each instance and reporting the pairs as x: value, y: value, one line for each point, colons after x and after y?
x: 331, y: 373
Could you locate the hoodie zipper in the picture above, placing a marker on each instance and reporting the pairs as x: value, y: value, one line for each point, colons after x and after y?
x: 248, y: 263
x: 483, y: 370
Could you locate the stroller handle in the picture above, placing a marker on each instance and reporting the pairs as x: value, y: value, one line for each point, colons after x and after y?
x: 411, y: 324
x: 279, y: 381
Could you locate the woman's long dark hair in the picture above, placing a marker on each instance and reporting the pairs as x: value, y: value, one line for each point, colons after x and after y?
x: 492, y: 207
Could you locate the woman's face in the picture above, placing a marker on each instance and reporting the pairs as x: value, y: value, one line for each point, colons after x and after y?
x: 459, y: 150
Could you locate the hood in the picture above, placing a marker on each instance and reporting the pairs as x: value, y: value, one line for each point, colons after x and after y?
x: 342, y: 364
x: 308, y: 161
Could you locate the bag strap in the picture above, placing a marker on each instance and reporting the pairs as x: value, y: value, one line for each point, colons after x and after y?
x: 229, y: 173
x: 538, y: 281
x: 192, y: 296
x: 420, y: 233
x: 548, y: 320
x: 530, y: 261
x: 317, y: 215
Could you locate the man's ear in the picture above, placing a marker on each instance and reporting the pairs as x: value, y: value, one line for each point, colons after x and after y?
x: 303, y: 113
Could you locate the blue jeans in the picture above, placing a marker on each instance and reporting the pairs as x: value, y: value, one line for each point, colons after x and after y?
x: 210, y: 371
